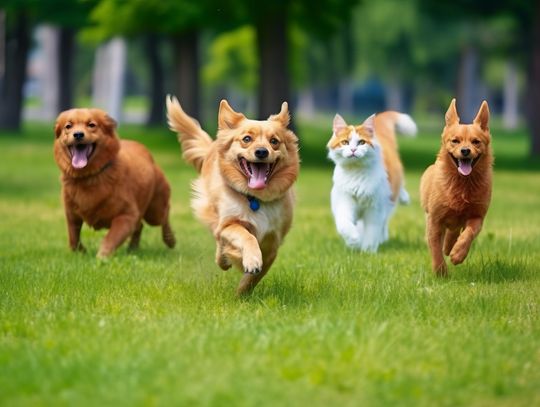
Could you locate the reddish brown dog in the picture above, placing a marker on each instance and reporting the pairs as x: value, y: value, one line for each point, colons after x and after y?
x: 108, y: 182
x: 456, y: 190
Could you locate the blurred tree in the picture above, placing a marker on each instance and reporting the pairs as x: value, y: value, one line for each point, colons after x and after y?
x: 20, y: 17
x: 272, y: 20
x: 70, y: 16
x: 16, y: 27
x: 526, y: 13
x: 181, y: 21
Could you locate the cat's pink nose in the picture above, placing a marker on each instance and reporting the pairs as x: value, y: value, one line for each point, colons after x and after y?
x: 353, y: 150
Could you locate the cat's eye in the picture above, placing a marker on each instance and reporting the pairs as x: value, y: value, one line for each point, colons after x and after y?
x: 69, y: 126
x: 345, y: 142
x: 476, y: 142
x: 247, y: 139
x: 455, y: 141
x: 362, y: 142
x: 274, y: 141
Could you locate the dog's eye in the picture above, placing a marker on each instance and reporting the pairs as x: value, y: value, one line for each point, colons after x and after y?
x: 274, y: 141
x: 362, y: 142
x: 455, y: 141
x: 247, y: 139
x: 69, y: 126
x: 476, y: 142
x: 91, y: 125
x: 345, y: 142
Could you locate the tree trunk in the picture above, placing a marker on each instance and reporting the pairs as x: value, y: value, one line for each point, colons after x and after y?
x: 157, y: 95
x: 66, y: 59
x: 186, y: 65
x: 48, y: 38
x: 274, y: 86
x: 534, y: 83
x: 467, y: 85
x: 108, y: 77
x: 2, y: 45
x: 11, y: 84
x: 510, y: 96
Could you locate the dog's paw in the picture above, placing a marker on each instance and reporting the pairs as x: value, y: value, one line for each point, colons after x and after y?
x: 79, y: 248
x: 222, y: 261
x: 440, y: 270
x: 252, y: 264
x: 458, y: 255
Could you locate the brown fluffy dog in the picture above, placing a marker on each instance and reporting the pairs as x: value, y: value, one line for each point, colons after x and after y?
x: 107, y: 182
x: 456, y: 190
x: 244, y: 190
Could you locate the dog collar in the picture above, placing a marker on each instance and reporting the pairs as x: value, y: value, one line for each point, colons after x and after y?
x: 254, y: 203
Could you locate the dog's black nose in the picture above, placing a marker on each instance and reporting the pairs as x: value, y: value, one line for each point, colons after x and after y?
x: 465, y: 151
x: 78, y: 135
x: 261, y: 153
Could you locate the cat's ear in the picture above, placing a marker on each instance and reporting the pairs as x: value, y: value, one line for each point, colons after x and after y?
x: 369, y: 124
x: 339, y: 124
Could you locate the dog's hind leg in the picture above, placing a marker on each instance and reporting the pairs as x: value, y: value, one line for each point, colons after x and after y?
x: 167, y: 235
x: 461, y: 248
x: 136, y: 237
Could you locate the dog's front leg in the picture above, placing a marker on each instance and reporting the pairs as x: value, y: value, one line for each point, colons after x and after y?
x: 74, y: 231
x: 236, y: 239
x: 435, y: 235
x: 121, y: 228
x: 463, y: 244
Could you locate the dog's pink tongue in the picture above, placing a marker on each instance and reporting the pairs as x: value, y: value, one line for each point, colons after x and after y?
x: 79, y: 158
x: 258, y: 176
x: 464, y: 167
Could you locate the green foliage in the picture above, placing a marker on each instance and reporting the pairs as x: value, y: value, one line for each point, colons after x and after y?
x: 120, y: 17
x: 232, y: 60
x: 327, y: 326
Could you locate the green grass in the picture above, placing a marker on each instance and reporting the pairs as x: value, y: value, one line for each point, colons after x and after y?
x: 327, y: 326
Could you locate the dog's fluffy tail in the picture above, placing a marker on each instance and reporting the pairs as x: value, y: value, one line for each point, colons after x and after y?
x: 194, y: 140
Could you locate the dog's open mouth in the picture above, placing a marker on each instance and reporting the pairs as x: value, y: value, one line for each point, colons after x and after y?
x: 465, y: 165
x: 80, y: 153
x: 258, y: 173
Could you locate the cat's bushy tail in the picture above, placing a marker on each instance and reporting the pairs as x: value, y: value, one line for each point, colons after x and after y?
x: 194, y: 140
x: 405, y: 125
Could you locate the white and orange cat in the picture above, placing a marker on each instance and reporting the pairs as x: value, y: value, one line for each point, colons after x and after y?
x: 368, y: 177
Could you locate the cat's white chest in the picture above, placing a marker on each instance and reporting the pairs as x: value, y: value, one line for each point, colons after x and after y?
x: 359, y: 184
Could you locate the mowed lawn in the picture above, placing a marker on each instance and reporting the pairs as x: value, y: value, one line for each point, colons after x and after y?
x: 327, y: 325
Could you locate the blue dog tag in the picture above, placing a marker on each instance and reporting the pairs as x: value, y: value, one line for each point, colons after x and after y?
x: 254, y: 203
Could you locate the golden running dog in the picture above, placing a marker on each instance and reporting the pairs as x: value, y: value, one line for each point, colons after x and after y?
x: 244, y: 191
x: 107, y: 182
x: 456, y: 190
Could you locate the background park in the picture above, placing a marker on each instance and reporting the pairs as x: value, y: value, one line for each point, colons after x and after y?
x: 327, y: 324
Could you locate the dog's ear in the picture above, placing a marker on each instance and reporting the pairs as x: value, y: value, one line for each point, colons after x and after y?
x: 109, y: 122
x: 227, y: 117
x: 451, y: 117
x: 338, y: 124
x: 58, y: 126
x: 482, y: 117
x: 283, y: 116
x: 104, y: 120
x: 369, y: 125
